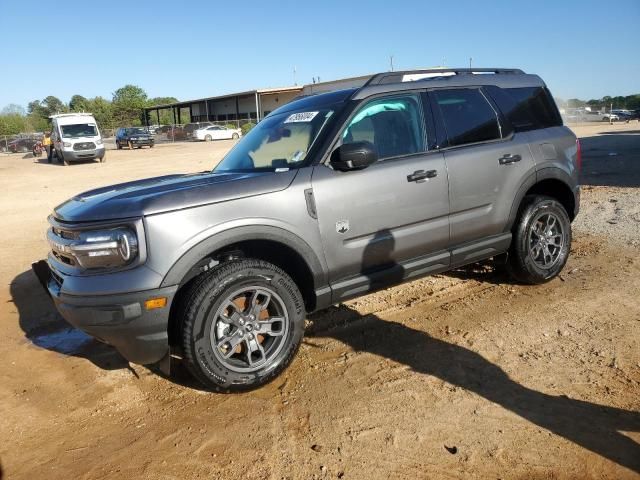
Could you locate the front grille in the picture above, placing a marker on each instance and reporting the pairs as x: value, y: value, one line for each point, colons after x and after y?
x: 84, y: 146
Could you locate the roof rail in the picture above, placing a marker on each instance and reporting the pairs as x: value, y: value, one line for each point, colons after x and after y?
x: 398, y: 77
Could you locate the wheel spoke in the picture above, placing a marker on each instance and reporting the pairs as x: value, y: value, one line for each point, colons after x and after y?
x: 259, y: 301
x: 551, y: 221
x: 253, y: 346
x: 234, y: 317
x: 267, y: 327
x: 230, y: 342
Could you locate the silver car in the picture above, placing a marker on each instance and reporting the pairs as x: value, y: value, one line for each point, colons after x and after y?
x: 329, y: 197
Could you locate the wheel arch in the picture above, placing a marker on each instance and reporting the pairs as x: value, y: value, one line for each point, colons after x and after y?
x: 271, y: 244
x: 552, y: 182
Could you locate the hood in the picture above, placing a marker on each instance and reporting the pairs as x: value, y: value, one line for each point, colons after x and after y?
x: 167, y: 193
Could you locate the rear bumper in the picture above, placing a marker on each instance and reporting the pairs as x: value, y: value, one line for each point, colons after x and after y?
x: 120, y: 320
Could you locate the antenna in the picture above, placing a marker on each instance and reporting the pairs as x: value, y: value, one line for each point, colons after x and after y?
x: 391, y: 62
x: 470, y: 59
x: 294, y: 76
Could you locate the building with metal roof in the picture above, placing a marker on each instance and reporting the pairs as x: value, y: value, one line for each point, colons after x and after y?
x: 251, y: 106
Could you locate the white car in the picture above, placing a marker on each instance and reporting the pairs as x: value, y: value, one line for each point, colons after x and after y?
x: 217, y: 132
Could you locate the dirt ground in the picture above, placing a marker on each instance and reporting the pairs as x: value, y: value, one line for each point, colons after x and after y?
x: 463, y: 375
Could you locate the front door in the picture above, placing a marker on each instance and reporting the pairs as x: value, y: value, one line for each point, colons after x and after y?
x: 380, y: 224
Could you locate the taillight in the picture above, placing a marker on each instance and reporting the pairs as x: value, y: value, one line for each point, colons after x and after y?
x: 578, y: 155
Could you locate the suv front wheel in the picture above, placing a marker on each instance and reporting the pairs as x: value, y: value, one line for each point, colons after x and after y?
x: 541, y: 240
x: 242, y: 325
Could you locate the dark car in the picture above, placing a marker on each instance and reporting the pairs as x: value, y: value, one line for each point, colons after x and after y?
x: 21, y: 145
x: 133, y: 137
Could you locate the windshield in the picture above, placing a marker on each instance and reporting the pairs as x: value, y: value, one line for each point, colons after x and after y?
x: 79, y: 130
x: 137, y: 131
x: 277, y: 143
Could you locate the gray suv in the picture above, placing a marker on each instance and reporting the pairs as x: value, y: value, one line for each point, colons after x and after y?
x: 329, y: 197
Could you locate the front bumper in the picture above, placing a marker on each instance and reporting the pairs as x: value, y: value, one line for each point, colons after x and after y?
x: 120, y: 320
x: 77, y: 155
x: 142, y: 142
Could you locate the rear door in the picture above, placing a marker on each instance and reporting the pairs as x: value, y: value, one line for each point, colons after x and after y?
x: 486, y: 162
x: 380, y: 224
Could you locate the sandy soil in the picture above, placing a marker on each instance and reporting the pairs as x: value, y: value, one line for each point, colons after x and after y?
x: 463, y: 375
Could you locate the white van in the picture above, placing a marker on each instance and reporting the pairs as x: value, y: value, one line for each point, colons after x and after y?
x: 76, y: 137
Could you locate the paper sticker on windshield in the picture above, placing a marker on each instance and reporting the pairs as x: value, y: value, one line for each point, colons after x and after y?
x: 301, y: 117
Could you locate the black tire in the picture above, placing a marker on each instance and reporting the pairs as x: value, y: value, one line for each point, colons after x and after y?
x: 524, y: 262
x: 103, y: 158
x: 204, y: 308
x: 118, y: 146
x: 207, y: 138
x: 152, y: 145
x: 235, y: 136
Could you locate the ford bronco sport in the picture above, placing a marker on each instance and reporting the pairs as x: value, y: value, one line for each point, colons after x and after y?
x: 328, y: 198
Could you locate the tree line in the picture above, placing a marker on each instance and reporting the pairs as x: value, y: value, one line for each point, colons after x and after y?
x: 123, y: 110
x: 630, y: 102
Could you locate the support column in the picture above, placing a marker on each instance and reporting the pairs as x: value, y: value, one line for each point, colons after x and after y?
x: 257, y: 108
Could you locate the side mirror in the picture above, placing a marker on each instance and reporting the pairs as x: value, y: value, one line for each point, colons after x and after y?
x: 354, y: 156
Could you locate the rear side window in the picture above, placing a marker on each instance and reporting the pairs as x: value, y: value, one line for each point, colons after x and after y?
x: 467, y: 115
x: 526, y: 108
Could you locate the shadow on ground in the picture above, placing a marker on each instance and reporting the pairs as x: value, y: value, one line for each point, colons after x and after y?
x: 594, y: 427
x: 611, y: 159
x: 43, y: 326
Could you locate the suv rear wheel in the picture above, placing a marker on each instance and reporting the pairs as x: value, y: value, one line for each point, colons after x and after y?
x: 541, y: 240
x: 242, y: 325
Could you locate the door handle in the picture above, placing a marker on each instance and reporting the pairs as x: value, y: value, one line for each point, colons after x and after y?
x: 420, y: 176
x: 508, y: 158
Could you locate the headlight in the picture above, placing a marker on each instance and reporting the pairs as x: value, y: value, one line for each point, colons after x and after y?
x: 133, y: 138
x: 104, y: 248
x: 99, y: 141
x: 66, y: 144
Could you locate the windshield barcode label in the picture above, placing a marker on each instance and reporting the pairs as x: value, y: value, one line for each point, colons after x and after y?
x: 301, y: 117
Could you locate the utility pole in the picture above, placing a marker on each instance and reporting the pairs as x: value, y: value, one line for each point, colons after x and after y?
x: 391, y: 61
x: 294, y: 76
x: 470, y: 59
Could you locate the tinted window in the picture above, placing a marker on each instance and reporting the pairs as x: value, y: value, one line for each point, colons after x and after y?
x: 527, y: 108
x: 393, y: 125
x: 467, y: 115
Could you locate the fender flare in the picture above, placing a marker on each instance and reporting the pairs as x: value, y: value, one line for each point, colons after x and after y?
x: 238, y: 234
x: 530, y: 181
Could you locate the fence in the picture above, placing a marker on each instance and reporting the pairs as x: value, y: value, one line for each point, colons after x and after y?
x: 22, y: 143
x: 186, y: 132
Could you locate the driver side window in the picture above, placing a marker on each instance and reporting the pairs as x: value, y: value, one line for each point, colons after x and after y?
x: 394, y: 125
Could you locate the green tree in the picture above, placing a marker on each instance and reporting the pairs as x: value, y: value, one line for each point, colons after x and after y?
x: 128, y: 104
x: 166, y: 117
x: 53, y: 105
x: 102, y: 111
x: 78, y: 103
x: 12, y: 123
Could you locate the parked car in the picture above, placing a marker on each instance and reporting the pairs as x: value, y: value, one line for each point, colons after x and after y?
x: 610, y: 117
x: 190, y: 128
x: 137, y: 137
x: 75, y: 137
x: 177, y: 133
x: 21, y: 145
x: 217, y: 132
x: 329, y: 197
x: 624, y: 115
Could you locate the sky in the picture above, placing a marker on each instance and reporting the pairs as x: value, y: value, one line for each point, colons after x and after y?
x: 190, y: 49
